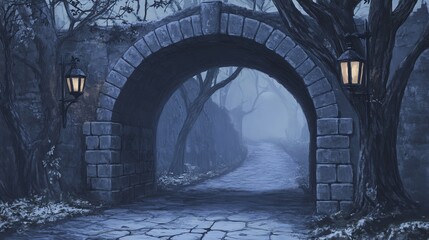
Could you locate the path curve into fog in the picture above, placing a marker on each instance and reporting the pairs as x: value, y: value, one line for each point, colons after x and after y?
x: 267, y: 168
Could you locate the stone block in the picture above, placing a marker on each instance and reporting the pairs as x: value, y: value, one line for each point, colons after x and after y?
x: 106, y: 128
x: 124, y: 68
x: 224, y: 23
x: 129, y: 168
x: 314, y: 75
x: 125, y: 181
x: 275, y: 39
x: 186, y: 27
x: 139, y: 167
x: 110, y: 90
x: 319, y: 87
x: 333, y: 141
x: 139, y: 189
x: 92, y: 142
x: 104, y: 114
x: 342, y: 191
x: 107, y: 184
x: 128, y: 195
x: 106, y: 102
x: 263, y: 33
x: 324, y: 99
x: 134, y: 179
x: 88, y: 180
x: 102, y: 156
x: 163, y: 36
x: 174, y: 30
x: 327, y: 207
x: 345, y: 173
x: 196, y: 25
x: 326, y: 173
x: 152, y: 41
x: 86, y: 128
x: 110, y: 142
x: 285, y: 46
x: 133, y: 57
x: 346, y: 206
x: 116, y: 79
x: 91, y: 170
x: 346, y: 126
x: 296, y: 56
x: 305, y: 67
x: 328, y: 111
x: 327, y: 126
x: 210, y: 17
x: 110, y: 170
x: 235, y: 25
x: 250, y: 28
x: 323, y: 192
x: 143, y: 48
x: 106, y: 196
x: 333, y: 156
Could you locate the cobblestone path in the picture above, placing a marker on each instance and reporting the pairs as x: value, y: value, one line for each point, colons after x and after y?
x: 256, y: 201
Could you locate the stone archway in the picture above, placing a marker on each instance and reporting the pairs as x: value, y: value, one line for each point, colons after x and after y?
x: 120, y: 144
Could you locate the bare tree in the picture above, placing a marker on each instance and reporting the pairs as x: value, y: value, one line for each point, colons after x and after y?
x: 38, y: 19
x: 207, y: 87
x: 379, y: 184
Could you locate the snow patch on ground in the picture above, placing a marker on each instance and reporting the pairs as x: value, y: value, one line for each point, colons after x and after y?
x: 168, y: 181
x: 362, y: 230
x: 25, y: 212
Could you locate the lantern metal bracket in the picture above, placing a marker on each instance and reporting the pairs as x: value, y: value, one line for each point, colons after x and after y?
x: 66, y: 103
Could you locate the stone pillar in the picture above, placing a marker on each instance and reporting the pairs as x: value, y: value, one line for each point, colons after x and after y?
x: 334, y: 172
x: 104, y: 168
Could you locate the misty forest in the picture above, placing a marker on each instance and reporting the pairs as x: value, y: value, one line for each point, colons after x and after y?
x: 233, y: 119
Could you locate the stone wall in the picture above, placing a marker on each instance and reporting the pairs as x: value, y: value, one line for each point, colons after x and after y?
x: 413, y: 131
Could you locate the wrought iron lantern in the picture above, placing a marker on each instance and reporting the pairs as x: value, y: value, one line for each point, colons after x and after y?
x: 352, y: 67
x: 75, y: 80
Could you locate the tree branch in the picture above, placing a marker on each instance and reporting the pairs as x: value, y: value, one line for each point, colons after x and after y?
x: 402, y: 11
x: 402, y: 74
x: 225, y: 82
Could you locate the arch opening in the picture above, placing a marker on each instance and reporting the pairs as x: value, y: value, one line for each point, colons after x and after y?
x: 250, y: 136
x: 151, y: 85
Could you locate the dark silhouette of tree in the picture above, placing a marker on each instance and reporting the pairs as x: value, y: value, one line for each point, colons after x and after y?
x: 36, y: 21
x: 207, y: 87
x: 379, y: 185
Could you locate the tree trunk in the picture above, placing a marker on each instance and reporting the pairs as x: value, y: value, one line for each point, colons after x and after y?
x: 379, y: 186
x: 196, y: 107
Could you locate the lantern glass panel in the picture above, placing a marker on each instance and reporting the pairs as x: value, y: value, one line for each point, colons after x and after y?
x: 75, y: 84
x: 355, y: 72
x: 345, y: 72
x: 69, y: 82
x: 82, y: 84
x: 361, y: 72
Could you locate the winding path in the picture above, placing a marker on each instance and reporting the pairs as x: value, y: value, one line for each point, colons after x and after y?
x: 258, y: 200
